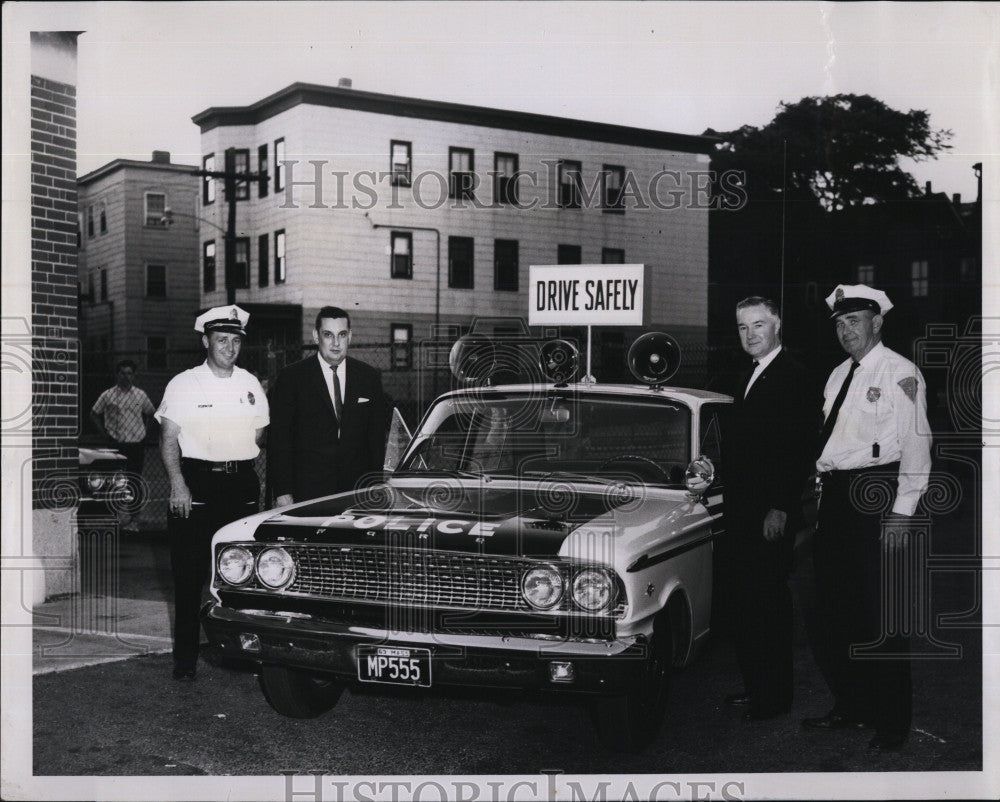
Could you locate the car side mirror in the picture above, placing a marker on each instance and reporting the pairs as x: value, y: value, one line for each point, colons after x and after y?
x: 699, y: 476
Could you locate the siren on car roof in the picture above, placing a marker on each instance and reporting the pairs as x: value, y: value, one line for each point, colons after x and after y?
x: 559, y: 360
x: 473, y: 359
x: 654, y: 358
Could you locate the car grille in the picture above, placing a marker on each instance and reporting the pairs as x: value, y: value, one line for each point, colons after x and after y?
x: 409, y: 576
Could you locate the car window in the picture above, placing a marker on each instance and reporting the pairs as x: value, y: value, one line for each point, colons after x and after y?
x: 603, y: 436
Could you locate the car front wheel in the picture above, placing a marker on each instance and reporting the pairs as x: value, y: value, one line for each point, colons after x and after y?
x: 298, y: 694
x: 630, y: 721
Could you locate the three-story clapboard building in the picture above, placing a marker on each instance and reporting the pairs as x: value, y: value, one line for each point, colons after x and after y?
x: 417, y: 213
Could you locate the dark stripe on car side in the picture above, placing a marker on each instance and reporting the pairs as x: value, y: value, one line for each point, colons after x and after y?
x: 645, y: 560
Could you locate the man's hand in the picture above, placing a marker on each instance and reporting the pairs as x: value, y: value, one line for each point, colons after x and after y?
x: 284, y: 500
x: 774, y: 525
x: 896, y: 531
x: 180, y: 499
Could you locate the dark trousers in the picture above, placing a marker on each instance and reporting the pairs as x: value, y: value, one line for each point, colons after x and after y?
x: 760, y: 609
x: 224, y: 497
x: 860, y: 642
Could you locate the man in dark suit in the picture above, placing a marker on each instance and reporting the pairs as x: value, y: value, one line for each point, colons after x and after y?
x: 767, y: 445
x: 328, y: 418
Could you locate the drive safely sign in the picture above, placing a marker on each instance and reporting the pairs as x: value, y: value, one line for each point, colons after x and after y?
x: 586, y: 295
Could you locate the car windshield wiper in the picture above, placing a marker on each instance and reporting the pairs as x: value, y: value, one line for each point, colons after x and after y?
x: 437, y: 472
x: 584, y: 477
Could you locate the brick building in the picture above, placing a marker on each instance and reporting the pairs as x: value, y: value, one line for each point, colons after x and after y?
x: 53, y: 333
x: 137, y: 231
x: 414, y: 213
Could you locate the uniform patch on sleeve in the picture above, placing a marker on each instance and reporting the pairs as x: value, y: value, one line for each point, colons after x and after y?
x: 909, y: 385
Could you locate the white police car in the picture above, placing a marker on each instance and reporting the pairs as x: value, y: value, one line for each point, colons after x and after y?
x: 546, y: 535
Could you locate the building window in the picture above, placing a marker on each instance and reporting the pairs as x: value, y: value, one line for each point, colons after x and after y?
x: 505, y: 265
x: 568, y: 255
x: 570, y: 184
x: 156, y: 281
x: 919, y: 274
x: 279, y: 257
x: 461, y: 175
x: 104, y: 217
x: 402, y: 255
x: 207, y: 181
x: 402, y: 346
x: 612, y: 180
x: 90, y: 287
x: 279, y: 167
x: 90, y: 221
x: 241, y: 165
x: 866, y: 274
x: 103, y: 273
x: 156, y: 353
x: 79, y: 229
x: 612, y: 256
x: 460, y: 263
x: 241, y: 264
x: 968, y: 268
x: 505, y: 167
x: 156, y: 209
x: 262, y: 178
x: 208, y: 266
x: 400, y: 164
x: 263, y: 260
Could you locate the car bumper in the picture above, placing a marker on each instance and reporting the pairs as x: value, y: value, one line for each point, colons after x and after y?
x: 606, y: 667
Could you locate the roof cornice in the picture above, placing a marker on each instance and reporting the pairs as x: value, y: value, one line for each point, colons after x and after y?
x: 394, y: 105
x: 118, y: 164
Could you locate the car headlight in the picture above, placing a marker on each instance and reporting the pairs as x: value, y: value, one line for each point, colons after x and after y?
x: 119, y: 480
x: 593, y: 589
x: 235, y: 564
x: 542, y: 587
x: 95, y: 481
x: 275, y: 568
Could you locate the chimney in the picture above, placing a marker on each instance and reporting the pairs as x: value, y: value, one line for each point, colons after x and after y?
x: 345, y: 83
x: 161, y: 157
x: 927, y: 188
x: 956, y: 198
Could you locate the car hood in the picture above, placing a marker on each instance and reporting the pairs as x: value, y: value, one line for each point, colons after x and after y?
x: 543, y: 519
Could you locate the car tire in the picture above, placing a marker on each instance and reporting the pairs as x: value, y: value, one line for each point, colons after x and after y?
x: 629, y: 722
x: 298, y: 694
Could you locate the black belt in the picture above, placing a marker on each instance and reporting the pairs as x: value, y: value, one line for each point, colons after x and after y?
x: 229, y: 466
x: 888, y: 468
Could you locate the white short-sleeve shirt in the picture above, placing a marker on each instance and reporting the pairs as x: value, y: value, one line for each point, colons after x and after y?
x: 218, y: 417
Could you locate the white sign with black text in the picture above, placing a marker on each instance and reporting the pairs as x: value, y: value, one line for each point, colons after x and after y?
x: 585, y: 295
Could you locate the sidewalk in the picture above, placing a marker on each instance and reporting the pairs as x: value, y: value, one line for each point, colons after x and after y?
x: 77, y: 630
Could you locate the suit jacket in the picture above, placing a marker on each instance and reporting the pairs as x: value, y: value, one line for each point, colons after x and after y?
x: 768, y: 443
x: 307, y: 456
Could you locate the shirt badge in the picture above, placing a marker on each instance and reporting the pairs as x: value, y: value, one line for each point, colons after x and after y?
x: 839, y: 295
x: 874, y: 394
x: 251, y: 398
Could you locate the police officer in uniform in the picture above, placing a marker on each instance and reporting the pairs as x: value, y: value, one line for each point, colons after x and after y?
x: 213, y: 418
x: 874, y: 462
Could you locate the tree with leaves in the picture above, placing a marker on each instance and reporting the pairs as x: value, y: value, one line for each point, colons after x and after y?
x: 837, y: 151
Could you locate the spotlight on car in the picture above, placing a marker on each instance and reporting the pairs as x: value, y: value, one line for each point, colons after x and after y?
x: 275, y: 568
x: 593, y: 589
x: 542, y: 587
x: 235, y: 565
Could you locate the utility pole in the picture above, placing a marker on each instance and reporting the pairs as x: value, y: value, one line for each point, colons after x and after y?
x: 231, y: 178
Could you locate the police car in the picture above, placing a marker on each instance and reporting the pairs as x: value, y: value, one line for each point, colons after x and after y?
x: 550, y: 535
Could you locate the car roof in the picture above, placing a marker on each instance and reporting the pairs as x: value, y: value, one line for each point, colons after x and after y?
x: 690, y: 396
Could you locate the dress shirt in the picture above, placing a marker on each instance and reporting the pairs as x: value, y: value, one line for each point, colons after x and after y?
x: 762, y: 363
x: 885, y: 404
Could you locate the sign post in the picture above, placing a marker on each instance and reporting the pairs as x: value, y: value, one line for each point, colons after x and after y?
x: 586, y: 295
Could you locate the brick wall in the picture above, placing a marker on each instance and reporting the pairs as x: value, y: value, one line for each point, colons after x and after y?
x: 54, y: 283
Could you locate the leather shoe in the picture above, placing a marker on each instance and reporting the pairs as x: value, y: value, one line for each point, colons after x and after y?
x: 833, y: 721
x: 182, y: 674
x: 737, y: 699
x: 886, y: 743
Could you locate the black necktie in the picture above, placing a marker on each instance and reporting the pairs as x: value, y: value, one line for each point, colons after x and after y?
x: 746, y: 385
x: 838, y: 402
x: 338, y: 401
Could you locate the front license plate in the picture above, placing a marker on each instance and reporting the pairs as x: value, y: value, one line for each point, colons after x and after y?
x: 394, y: 665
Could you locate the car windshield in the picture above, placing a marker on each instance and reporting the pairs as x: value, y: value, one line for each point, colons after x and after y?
x: 571, y: 435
